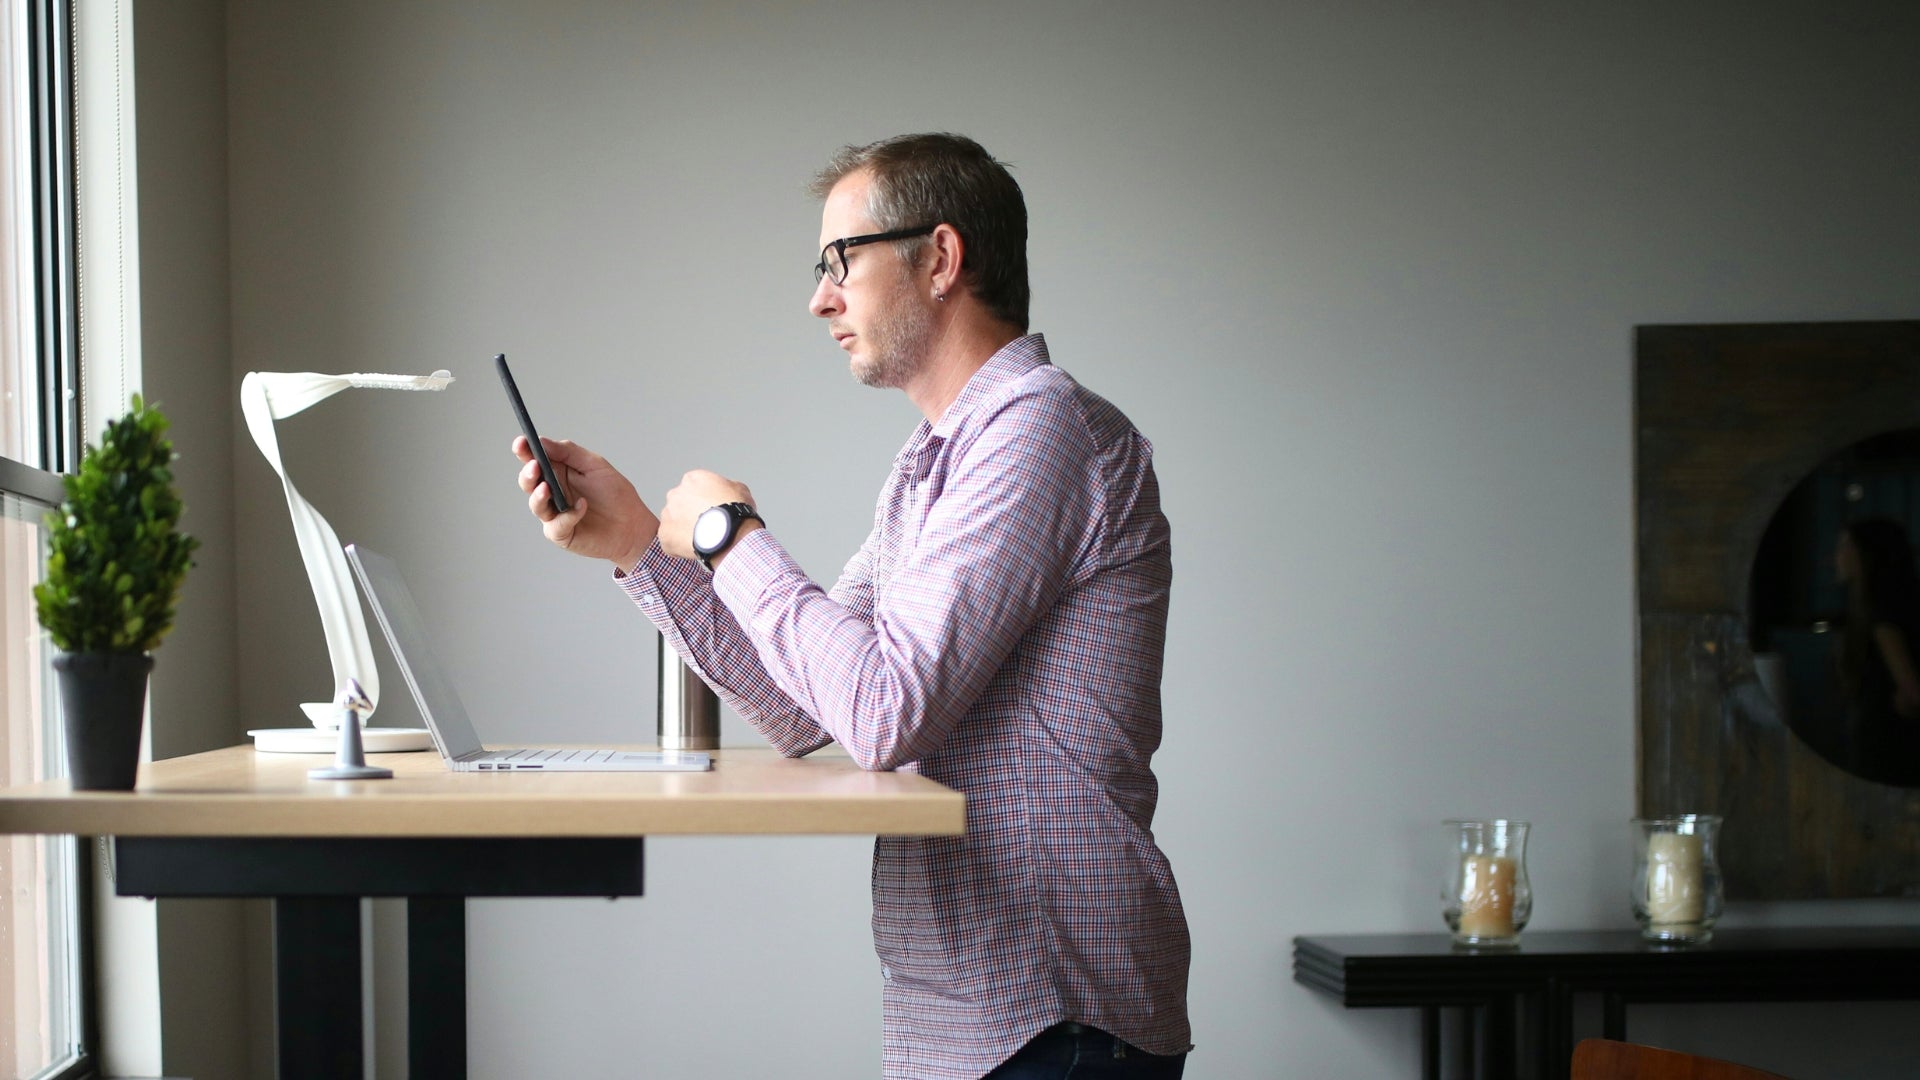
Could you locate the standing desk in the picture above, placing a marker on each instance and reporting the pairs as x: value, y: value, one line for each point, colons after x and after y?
x: 233, y: 823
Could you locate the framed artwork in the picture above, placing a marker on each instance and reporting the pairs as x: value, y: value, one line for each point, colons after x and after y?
x: 1759, y: 452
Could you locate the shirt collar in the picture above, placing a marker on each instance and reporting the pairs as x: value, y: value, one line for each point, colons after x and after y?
x: 1015, y: 358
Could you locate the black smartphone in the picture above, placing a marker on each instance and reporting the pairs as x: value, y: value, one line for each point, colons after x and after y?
x: 555, y: 497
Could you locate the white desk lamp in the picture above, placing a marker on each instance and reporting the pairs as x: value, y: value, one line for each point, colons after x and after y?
x: 266, y: 396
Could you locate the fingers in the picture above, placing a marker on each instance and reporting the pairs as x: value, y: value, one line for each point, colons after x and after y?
x: 569, y: 456
x: 530, y: 477
x: 558, y: 527
x: 561, y: 528
x: 539, y: 498
x: 558, y: 450
x: 534, y: 482
x: 707, y: 488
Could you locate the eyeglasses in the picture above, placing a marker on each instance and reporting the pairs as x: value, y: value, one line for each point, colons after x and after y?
x: 833, y: 257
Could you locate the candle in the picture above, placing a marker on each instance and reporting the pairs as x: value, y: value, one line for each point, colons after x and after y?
x: 1486, y: 896
x: 1675, y: 889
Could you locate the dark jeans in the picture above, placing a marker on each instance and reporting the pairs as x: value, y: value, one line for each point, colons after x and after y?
x: 1080, y: 1052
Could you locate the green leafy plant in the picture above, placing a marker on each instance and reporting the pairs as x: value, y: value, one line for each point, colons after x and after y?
x: 117, y: 555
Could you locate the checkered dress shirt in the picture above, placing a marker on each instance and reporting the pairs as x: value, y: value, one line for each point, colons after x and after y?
x: 1000, y: 631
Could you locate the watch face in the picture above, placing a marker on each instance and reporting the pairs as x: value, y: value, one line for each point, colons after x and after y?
x: 710, y: 530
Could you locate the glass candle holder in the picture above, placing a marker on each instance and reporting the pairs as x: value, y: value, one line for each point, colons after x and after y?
x: 1677, y: 893
x: 1486, y: 899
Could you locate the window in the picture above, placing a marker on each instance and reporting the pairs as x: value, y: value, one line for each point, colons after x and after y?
x: 41, y: 993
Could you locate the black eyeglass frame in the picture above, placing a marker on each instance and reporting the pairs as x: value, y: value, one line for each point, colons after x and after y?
x: 841, y: 245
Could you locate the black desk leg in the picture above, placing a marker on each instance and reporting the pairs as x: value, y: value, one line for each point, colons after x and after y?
x: 1536, y: 1028
x: 1558, y: 1048
x: 437, y: 988
x: 316, y: 942
x: 1460, y: 1022
x: 1613, y: 1017
x: 1429, y: 1042
x: 1496, y: 1039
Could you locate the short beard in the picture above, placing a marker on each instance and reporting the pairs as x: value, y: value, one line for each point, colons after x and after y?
x: 901, y: 342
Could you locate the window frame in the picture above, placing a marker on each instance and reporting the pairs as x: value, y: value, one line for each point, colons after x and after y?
x: 50, y: 98
x: 51, y: 232
x: 31, y: 484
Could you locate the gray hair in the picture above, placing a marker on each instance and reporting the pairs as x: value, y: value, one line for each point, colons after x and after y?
x: 939, y: 177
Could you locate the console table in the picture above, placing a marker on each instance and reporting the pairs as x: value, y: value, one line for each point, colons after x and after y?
x: 235, y: 823
x: 1509, y: 1012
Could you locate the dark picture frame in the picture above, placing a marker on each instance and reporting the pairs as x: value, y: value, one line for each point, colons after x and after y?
x: 1728, y: 420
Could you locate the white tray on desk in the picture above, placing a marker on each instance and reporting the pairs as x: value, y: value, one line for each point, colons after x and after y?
x: 313, y: 740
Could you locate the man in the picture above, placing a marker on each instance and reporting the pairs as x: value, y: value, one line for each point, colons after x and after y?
x: 1000, y: 631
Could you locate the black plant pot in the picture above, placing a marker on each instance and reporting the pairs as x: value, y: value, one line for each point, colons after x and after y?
x: 103, y: 697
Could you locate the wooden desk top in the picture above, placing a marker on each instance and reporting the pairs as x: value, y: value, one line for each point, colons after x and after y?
x: 237, y: 792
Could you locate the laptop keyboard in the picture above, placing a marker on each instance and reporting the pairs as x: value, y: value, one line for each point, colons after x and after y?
x: 536, y: 758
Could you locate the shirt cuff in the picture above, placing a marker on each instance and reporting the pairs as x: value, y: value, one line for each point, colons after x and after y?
x: 656, y: 575
x: 754, y: 562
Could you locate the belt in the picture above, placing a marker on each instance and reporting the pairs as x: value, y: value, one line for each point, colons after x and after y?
x: 1075, y: 1028
x: 1071, y: 1027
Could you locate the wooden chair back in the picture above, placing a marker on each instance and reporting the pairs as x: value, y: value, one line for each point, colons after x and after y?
x: 1604, y: 1059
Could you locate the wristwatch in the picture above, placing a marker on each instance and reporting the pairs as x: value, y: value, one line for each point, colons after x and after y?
x: 714, y: 529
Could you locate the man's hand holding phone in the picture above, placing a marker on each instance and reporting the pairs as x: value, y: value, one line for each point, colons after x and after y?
x: 562, y: 480
x: 605, y: 516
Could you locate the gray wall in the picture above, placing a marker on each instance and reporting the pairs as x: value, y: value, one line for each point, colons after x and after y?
x: 181, y: 128
x: 1366, y: 273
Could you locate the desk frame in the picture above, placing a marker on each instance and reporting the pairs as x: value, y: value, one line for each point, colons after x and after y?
x: 316, y: 885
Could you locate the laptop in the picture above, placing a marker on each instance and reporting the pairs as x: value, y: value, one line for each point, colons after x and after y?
x: 446, y: 717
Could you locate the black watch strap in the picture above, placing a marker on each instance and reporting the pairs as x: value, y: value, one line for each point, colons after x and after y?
x: 738, y: 514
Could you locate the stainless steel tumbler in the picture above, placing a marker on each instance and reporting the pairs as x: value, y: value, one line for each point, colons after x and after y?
x: 689, y: 711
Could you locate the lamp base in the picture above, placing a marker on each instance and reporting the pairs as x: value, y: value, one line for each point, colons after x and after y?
x: 313, y: 740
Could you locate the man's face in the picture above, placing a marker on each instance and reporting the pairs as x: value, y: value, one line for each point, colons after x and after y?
x: 876, y: 315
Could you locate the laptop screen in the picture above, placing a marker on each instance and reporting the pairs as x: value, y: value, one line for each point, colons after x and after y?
x: 406, y: 632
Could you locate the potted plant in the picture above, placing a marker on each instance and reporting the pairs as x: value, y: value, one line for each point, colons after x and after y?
x: 115, y: 562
